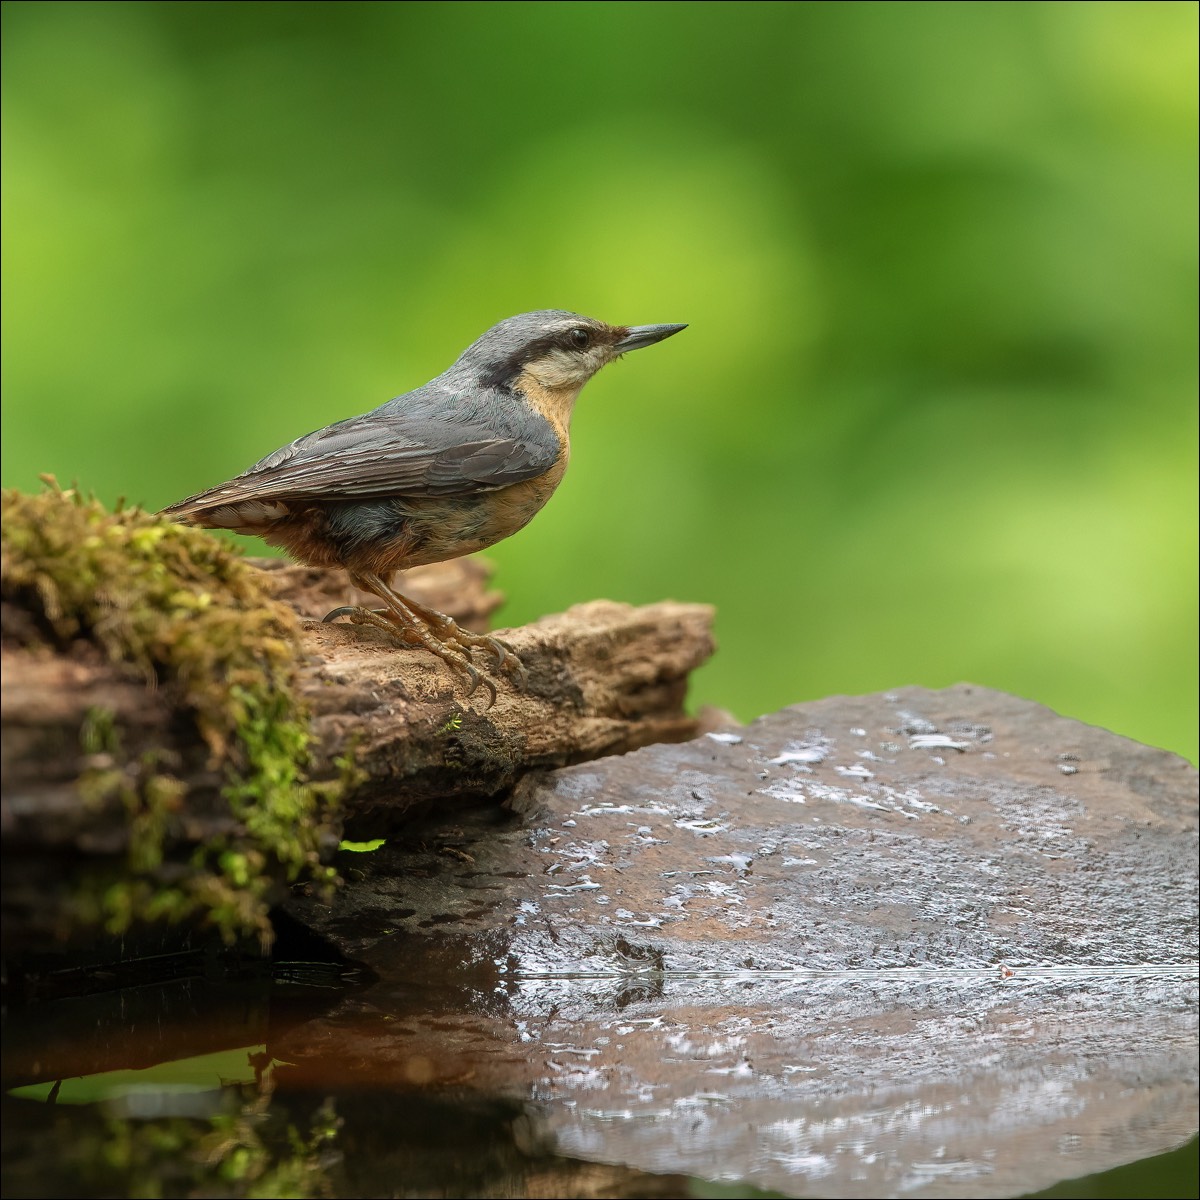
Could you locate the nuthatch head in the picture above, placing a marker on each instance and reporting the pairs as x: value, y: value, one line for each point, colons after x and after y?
x: 555, y: 349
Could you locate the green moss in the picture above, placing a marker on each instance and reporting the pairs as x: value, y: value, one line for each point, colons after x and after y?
x: 199, y: 625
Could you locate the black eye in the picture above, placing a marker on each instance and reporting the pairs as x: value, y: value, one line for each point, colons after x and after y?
x: 580, y: 338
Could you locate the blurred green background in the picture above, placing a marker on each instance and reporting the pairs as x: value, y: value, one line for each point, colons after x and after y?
x: 934, y: 418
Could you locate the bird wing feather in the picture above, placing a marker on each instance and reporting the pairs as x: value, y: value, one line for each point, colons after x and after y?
x: 413, y: 446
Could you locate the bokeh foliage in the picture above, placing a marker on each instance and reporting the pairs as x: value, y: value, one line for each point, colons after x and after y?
x: 935, y: 415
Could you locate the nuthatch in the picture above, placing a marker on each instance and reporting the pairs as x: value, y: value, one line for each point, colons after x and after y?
x: 445, y: 470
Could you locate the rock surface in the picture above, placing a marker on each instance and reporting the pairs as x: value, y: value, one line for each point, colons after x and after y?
x: 923, y: 943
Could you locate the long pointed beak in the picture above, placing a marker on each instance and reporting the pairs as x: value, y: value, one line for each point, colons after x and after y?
x: 637, y: 336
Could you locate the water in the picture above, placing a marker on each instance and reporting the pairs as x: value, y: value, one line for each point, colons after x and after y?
x: 431, y: 1078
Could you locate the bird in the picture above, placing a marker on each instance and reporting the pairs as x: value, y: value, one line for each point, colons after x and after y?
x: 445, y: 470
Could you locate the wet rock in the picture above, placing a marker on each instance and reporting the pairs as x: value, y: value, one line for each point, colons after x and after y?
x: 929, y: 943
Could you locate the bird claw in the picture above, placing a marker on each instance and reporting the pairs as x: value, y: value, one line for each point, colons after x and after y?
x: 446, y: 640
x: 458, y: 661
x: 512, y: 664
x: 504, y: 657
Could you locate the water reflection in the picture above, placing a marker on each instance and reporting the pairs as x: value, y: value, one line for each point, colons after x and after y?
x: 271, y: 1139
x: 437, y: 1078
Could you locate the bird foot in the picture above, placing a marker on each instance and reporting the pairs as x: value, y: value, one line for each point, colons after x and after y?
x: 449, y: 631
x: 442, y: 637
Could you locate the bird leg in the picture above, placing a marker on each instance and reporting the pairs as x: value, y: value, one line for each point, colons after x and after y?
x: 429, y: 629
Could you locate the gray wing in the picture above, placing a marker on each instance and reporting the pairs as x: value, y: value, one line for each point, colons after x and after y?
x: 423, y: 444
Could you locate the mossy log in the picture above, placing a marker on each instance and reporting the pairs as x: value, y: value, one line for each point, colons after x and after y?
x: 604, y: 678
x: 165, y: 702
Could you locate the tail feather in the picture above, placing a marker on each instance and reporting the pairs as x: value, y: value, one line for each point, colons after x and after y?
x: 212, y: 511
